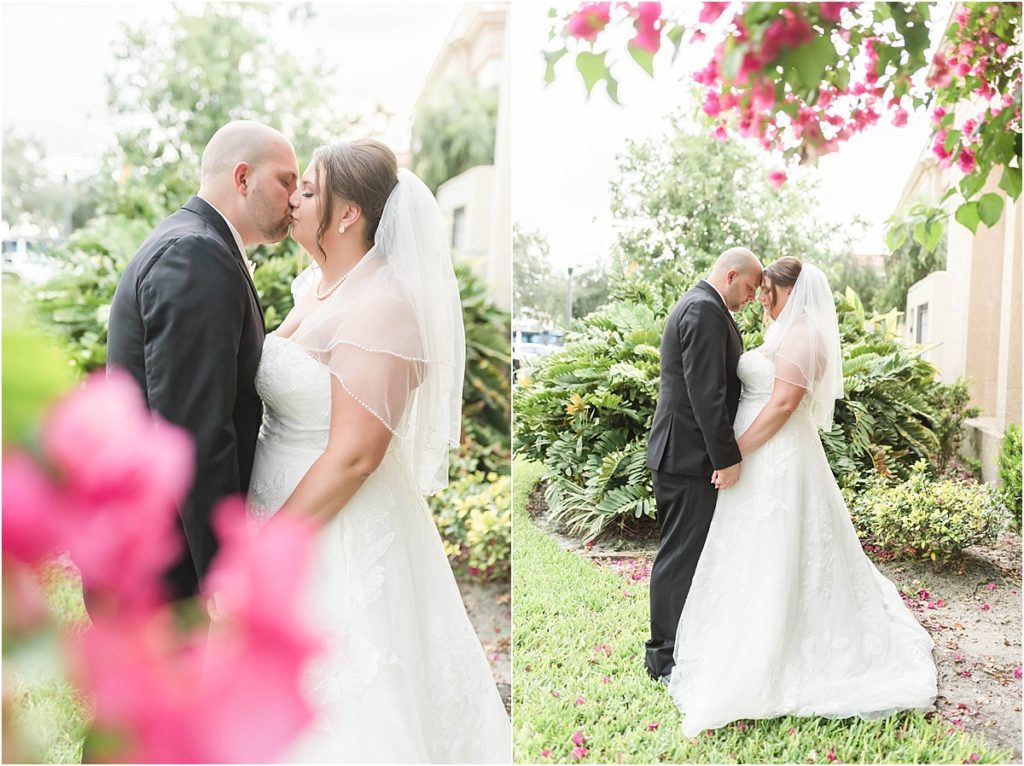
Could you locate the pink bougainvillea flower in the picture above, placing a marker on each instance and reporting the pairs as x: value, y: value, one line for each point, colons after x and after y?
x: 580, y: 701
x: 965, y: 674
x: 791, y: 730
x: 777, y: 178
x: 25, y: 607
x: 545, y: 753
x: 985, y: 607
x: 579, y: 753
x: 1017, y: 672
x: 33, y: 529
x: 653, y: 726
x: 111, y: 499
x: 720, y: 133
x: 578, y: 738
x: 833, y: 11
x: 899, y: 117
x: 972, y: 758
x: 990, y: 585
x: 648, y: 31
x: 589, y: 20
x: 710, y: 12
x: 606, y: 680
x: 712, y: 106
x: 958, y: 658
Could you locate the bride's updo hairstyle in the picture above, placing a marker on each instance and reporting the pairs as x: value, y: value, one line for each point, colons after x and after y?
x: 364, y: 172
x: 782, y: 273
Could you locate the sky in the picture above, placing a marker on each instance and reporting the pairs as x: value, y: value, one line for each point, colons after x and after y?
x: 565, y: 146
x: 53, y: 73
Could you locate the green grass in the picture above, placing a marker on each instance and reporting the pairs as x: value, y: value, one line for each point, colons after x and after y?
x: 46, y: 708
x: 574, y: 625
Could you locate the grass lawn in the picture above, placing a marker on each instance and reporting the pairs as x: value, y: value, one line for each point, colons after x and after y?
x: 578, y: 634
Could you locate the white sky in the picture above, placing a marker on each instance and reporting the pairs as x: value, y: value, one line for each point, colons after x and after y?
x: 565, y: 146
x: 55, y: 55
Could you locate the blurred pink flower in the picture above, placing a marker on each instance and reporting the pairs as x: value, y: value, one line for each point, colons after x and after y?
x: 710, y: 12
x: 648, y: 33
x: 990, y: 585
x: 579, y: 753
x: 653, y: 726
x: 606, y: 680
x: 1016, y: 672
x: 556, y: 694
x: 578, y: 738
x: 900, y: 116
x: 777, y: 178
x: 545, y: 753
x: 111, y: 499
x: 589, y: 20
x: 833, y: 11
x: 230, y: 694
x: 580, y: 701
x: 985, y: 607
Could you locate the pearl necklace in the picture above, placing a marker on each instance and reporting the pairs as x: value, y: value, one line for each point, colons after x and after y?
x: 335, y: 286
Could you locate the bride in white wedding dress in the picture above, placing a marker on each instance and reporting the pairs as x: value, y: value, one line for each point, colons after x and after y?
x: 786, y: 615
x: 362, y: 387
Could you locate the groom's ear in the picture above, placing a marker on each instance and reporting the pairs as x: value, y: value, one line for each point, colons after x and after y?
x: 240, y: 177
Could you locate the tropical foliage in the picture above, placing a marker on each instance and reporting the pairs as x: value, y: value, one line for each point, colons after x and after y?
x: 585, y: 412
x: 926, y: 516
x: 1010, y: 473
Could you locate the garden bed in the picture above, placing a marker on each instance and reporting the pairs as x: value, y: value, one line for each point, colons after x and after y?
x: 977, y: 651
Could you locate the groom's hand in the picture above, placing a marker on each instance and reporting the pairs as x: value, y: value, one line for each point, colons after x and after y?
x: 724, y: 478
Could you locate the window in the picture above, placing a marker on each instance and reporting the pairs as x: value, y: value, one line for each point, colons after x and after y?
x: 921, y: 333
x: 458, y: 228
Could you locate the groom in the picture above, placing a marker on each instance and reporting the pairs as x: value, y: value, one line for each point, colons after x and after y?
x: 186, y: 321
x: 692, y: 450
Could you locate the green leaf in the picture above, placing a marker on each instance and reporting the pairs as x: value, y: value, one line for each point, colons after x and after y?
x: 990, y: 207
x: 952, y: 139
x: 552, y: 58
x: 967, y: 214
x: 896, y: 236
x: 643, y: 57
x: 675, y: 36
x: 807, y: 64
x: 935, y: 230
x: 1010, y: 182
x: 970, y: 185
x: 921, y: 233
x: 593, y: 68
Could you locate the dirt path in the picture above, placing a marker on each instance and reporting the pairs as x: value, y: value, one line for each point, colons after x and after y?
x: 972, y: 611
x: 489, y: 608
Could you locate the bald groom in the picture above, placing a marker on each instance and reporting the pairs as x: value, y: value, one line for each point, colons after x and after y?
x: 186, y: 321
x: 692, y: 450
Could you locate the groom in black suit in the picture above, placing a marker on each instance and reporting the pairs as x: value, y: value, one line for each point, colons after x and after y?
x: 692, y: 451
x: 186, y: 321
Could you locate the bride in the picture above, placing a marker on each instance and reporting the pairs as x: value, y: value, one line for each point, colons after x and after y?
x: 786, y: 615
x: 362, y: 386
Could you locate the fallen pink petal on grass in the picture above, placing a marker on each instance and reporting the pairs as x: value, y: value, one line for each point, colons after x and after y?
x: 578, y: 738
x: 653, y: 726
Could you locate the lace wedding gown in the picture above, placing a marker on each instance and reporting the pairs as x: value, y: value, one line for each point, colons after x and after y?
x: 404, y: 678
x: 786, y: 615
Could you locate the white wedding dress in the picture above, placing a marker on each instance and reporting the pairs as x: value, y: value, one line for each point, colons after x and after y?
x: 786, y: 615
x: 404, y: 678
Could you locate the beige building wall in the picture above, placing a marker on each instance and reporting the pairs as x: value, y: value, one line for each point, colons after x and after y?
x: 477, y: 203
x: 974, y: 310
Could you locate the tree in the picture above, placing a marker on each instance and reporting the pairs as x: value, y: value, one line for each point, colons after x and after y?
x: 174, y: 86
x: 539, y: 292
x: 454, y: 131
x: 685, y: 197
x: 911, y: 261
x: 535, y: 288
x: 803, y: 78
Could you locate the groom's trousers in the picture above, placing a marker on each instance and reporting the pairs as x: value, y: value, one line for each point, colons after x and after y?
x: 685, y: 507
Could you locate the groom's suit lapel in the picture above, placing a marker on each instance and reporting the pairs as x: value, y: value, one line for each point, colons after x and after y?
x: 703, y: 285
x: 202, y: 208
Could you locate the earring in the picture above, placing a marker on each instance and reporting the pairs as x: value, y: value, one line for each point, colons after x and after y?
x: 341, y: 229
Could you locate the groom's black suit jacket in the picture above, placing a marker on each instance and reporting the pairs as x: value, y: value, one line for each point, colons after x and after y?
x: 186, y: 323
x: 692, y: 432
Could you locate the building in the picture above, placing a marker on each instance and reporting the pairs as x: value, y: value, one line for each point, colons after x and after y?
x: 477, y: 203
x: 971, y: 312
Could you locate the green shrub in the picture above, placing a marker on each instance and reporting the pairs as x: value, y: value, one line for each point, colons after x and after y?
x: 951, y: 410
x: 585, y: 412
x: 928, y: 517
x: 474, y: 518
x: 1010, y: 473
x: 273, y: 279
